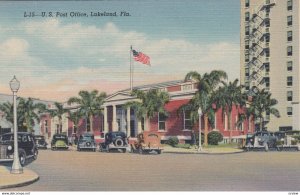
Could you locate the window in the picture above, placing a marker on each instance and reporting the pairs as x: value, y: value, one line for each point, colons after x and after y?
x: 247, y: 85
x: 267, y: 23
x: 290, y: 5
x: 289, y: 111
x: 88, y: 124
x: 143, y: 123
x: 247, y: 30
x: 267, y: 67
x: 187, y: 87
x: 161, y: 121
x: 187, y: 122
x: 267, y: 52
x: 225, y: 120
x: 290, y: 36
x: 247, y: 44
x: 247, y: 72
x: 247, y: 58
x: 267, y: 38
x: 289, y: 50
x: 247, y: 16
x: 289, y: 65
x: 289, y: 81
x: 247, y: 3
x: 267, y: 81
x: 46, y: 126
x: 290, y: 20
x: 289, y: 95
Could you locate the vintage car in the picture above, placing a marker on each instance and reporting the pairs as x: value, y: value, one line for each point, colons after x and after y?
x: 261, y: 140
x: 86, y: 141
x: 288, y: 140
x: 147, y: 142
x: 59, y: 141
x: 26, y: 147
x: 114, y: 141
x: 40, y: 142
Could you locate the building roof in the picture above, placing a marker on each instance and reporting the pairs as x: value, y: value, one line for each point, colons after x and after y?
x: 156, y: 85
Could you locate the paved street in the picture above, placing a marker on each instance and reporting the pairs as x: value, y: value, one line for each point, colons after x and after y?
x: 95, y: 171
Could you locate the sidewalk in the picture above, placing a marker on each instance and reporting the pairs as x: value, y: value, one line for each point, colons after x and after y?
x: 221, y: 150
x: 8, y: 180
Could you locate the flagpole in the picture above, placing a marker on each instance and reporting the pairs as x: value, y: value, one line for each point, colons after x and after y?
x: 130, y: 58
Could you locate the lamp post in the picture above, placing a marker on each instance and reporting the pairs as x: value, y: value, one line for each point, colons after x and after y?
x: 200, y: 114
x: 16, y: 166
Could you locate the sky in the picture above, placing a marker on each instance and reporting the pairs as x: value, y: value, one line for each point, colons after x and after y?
x: 56, y: 57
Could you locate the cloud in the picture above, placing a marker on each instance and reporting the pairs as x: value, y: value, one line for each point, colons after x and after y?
x: 97, y: 57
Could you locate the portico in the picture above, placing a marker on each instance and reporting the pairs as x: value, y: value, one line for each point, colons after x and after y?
x: 118, y: 118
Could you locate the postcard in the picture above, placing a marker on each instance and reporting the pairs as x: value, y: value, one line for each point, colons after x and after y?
x: 160, y: 96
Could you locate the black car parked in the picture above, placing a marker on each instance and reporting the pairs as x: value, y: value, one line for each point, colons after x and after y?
x: 86, y: 141
x: 40, y: 142
x: 26, y: 147
x: 114, y: 141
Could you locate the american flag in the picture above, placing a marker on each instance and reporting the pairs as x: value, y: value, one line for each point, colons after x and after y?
x: 140, y: 57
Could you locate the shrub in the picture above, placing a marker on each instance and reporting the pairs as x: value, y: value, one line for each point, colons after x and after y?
x: 173, y: 141
x: 214, y: 137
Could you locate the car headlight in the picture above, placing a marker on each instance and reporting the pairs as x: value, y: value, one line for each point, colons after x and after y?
x: 9, y: 147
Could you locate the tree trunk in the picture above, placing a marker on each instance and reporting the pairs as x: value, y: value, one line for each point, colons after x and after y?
x: 229, y: 126
x: 91, y: 124
x: 205, y: 130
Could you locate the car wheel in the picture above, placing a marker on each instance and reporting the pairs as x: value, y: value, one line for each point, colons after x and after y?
x: 100, y: 148
x: 22, y: 157
x: 118, y: 142
x: 35, y: 154
x: 158, y: 151
x: 141, y: 151
x: 266, y: 147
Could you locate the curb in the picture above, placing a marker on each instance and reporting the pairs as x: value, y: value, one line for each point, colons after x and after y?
x: 20, y: 184
x: 204, y: 153
x: 17, y: 180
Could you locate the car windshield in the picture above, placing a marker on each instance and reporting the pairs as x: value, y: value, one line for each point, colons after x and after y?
x: 87, y: 138
x: 60, y: 137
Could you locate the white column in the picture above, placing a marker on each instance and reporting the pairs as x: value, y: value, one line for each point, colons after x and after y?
x: 139, y: 126
x: 128, y: 122
x: 114, y: 119
x: 105, y: 130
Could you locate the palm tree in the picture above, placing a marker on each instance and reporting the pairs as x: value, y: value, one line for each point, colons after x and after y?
x: 151, y: 103
x: 226, y: 97
x: 89, y: 104
x: 206, y: 85
x: 262, y: 103
x: 75, y: 118
x: 29, y: 112
x: 7, y: 109
x: 58, y: 112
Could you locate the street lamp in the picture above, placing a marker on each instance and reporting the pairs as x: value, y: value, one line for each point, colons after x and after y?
x: 16, y: 166
x: 200, y: 114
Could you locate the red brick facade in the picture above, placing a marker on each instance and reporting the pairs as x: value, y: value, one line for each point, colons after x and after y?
x: 174, y: 123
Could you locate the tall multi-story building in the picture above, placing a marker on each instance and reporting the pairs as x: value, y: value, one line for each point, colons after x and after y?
x: 270, y: 56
